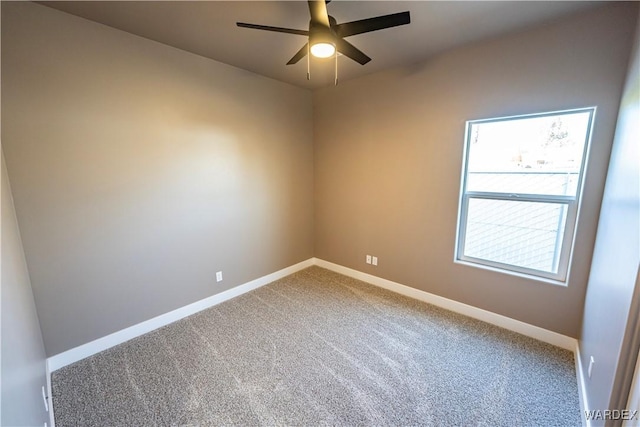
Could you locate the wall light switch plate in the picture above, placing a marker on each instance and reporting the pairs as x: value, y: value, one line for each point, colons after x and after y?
x: 368, y: 259
x: 219, y: 276
x: 374, y: 260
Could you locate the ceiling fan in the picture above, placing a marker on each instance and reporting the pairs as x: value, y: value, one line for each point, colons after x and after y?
x: 326, y: 36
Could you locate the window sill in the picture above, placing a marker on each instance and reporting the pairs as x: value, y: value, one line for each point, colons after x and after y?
x: 513, y: 273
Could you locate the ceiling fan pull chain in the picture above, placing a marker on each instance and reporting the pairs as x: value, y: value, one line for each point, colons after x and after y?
x: 308, y: 61
x: 335, y: 83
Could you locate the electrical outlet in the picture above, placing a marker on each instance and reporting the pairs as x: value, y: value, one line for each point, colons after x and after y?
x: 591, y: 363
x: 219, y: 276
x: 374, y: 260
x: 368, y: 260
x: 44, y: 399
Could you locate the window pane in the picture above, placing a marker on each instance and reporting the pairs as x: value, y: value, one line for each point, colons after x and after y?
x: 531, y: 155
x: 523, y: 234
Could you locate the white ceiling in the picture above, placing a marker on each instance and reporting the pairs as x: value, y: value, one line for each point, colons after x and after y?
x: 208, y: 28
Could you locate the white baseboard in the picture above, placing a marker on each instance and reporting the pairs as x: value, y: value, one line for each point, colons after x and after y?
x: 52, y: 418
x: 85, y: 350
x: 523, y: 328
x: 582, y: 388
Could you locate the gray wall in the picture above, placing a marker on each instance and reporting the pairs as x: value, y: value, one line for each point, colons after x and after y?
x: 23, y: 358
x: 139, y: 170
x: 388, y: 155
x: 614, y: 269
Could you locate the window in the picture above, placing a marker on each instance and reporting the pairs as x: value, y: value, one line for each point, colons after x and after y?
x: 521, y: 185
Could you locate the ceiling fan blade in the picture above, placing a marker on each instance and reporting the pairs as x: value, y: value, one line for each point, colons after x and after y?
x: 372, y: 24
x: 318, y: 11
x: 347, y: 49
x: 274, y: 29
x: 299, y: 55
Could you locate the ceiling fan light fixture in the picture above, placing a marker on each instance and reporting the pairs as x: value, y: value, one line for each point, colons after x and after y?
x: 322, y: 42
x: 323, y: 50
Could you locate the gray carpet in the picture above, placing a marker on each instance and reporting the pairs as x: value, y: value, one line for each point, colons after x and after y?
x: 319, y: 348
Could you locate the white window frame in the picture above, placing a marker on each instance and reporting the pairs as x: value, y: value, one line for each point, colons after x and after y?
x: 571, y: 202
